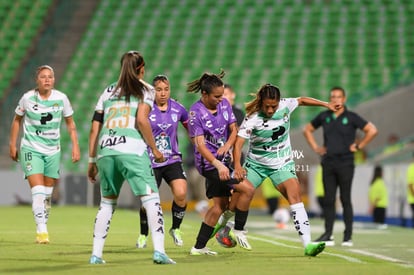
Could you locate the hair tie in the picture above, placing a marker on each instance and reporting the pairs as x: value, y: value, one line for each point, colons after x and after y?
x: 140, y: 66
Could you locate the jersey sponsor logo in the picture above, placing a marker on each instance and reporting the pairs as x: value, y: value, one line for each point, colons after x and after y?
x: 221, y: 129
x: 152, y: 117
x: 218, y: 142
x: 40, y: 133
x: 277, y: 132
x: 345, y: 121
x: 163, y: 144
x: 112, y: 141
x: 164, y: 126
x: 45, y: 118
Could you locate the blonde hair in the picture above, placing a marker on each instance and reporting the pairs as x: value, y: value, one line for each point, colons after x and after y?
x: 40, y: 68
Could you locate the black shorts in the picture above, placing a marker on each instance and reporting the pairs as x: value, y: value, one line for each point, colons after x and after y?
x: 169, y: 173
x: 215, y: 187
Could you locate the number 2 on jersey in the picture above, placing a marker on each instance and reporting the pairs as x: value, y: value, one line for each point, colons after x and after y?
x: 118, y: 117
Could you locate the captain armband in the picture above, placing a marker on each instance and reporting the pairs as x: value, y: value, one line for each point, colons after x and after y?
x: 98, y: 117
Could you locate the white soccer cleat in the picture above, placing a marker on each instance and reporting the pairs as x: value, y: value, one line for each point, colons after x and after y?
x: 241, y: 238
x: 176, y: 235
x: 202, y: 251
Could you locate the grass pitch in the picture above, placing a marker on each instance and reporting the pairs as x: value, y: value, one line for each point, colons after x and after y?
x: 275, y: 251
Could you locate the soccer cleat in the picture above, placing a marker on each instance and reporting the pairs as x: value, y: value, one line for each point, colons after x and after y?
x: 347, y: 243
x: 202, y: 251
x: 161, y: 258
x: 96, y: 260
x: 241, y: 238
x: 313, y: 249
x: 222, y: 221
x: 42, y: 238
x: 327, y: 239
x: 176, y: 235
x: 142, y: 241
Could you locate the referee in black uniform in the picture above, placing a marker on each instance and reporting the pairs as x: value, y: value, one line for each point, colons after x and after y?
x: 337, y: 159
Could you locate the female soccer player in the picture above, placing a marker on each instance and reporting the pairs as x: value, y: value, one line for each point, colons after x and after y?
x: 165, y: 117
x: 41, y: 111
x: 213, y: 129
x: 121, y: 121
x: 267, y: 126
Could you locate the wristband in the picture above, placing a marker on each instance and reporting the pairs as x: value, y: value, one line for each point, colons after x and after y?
x: 92, y: 159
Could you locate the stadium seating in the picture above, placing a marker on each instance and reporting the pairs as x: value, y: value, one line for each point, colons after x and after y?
x: 304, y: 47
x: 20, y: 21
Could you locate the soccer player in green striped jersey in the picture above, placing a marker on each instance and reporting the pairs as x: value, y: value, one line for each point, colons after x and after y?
x: 118, y: 140
x: 41, y: 111
x: 267, y: 126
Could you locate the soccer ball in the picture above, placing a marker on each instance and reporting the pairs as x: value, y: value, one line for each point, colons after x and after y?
x: 225, y: 237
x: 281, y: 216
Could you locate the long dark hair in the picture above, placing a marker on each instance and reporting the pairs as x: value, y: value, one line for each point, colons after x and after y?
x: 206, y: 83
x: 267, y: 91
x: 132, y: 63
x: 377, y: 173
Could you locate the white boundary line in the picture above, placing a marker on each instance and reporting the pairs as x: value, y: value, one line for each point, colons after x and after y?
x: 382, y: 257
x: 347, y: 258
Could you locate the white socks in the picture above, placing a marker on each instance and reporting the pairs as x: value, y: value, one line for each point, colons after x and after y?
x: 48, y: 200
x: 39, y: 208
x: 152, y: 206
x: 301, y: 222
x: 102, y: 222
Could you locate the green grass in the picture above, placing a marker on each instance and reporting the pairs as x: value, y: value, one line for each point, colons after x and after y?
x: 274, y: 251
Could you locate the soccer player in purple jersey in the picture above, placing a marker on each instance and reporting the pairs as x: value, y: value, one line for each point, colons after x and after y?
x: 213, y: 128
x: 165, y: 118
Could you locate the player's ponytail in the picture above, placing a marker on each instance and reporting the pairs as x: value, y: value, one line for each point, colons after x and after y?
x: 206, y: 83
x: 132, y: 63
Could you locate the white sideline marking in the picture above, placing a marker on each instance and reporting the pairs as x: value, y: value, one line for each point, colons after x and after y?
x: 347, y: 258
x: 381, y: 257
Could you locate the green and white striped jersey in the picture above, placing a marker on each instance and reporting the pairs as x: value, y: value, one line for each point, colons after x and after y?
x: 119, y: 134
x: 42, y: 120
x: 269, y: 137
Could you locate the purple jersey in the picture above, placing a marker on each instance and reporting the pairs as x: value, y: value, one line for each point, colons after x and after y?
x: 164, y: 126
x: 214, y: 128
